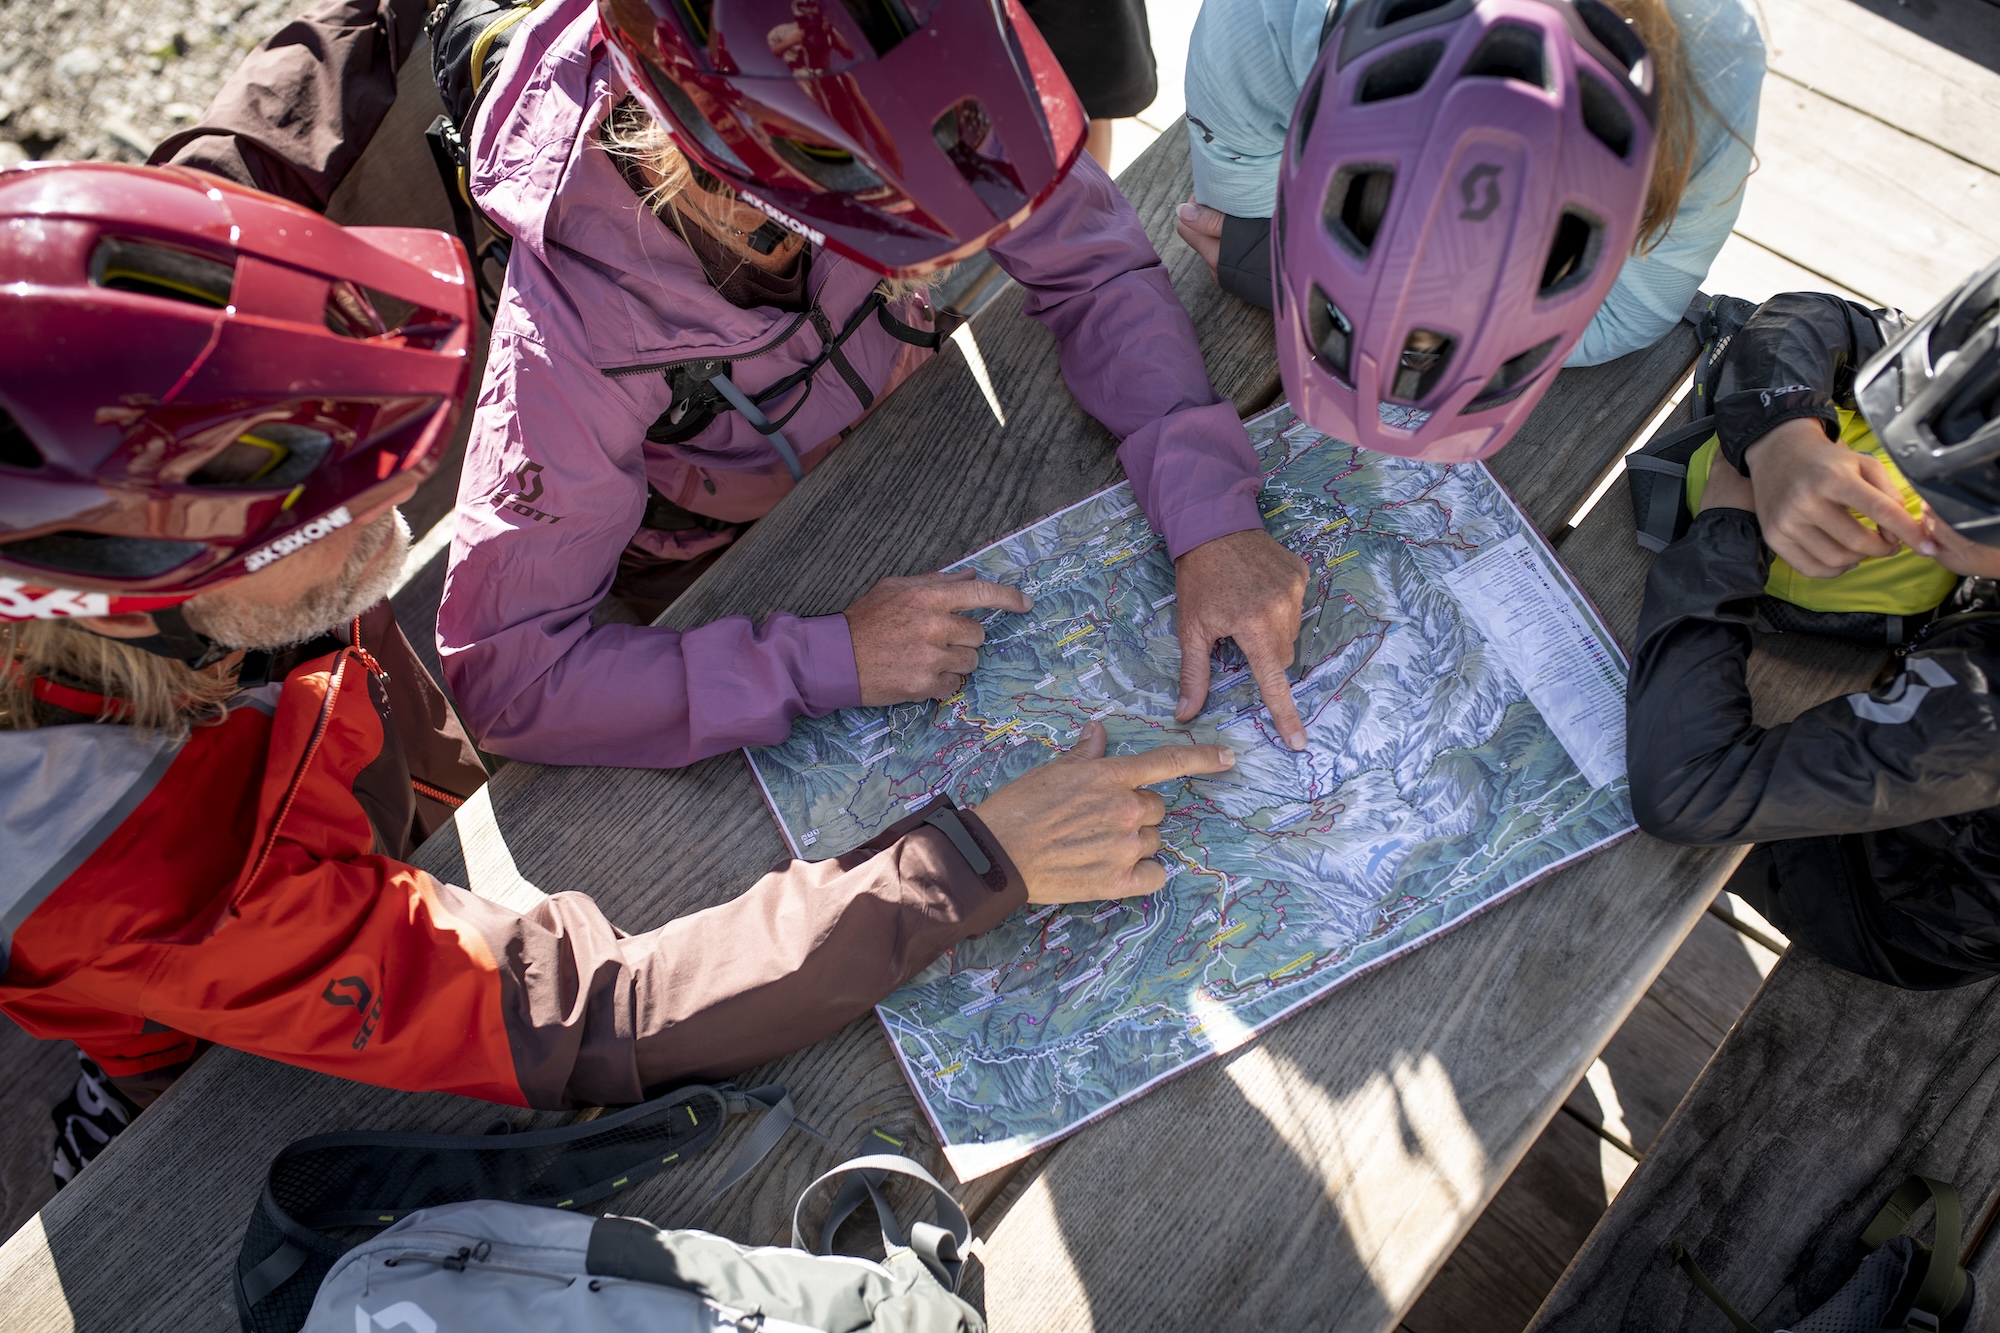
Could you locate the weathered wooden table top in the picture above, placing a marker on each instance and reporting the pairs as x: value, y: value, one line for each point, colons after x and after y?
x: 1318, y: 1176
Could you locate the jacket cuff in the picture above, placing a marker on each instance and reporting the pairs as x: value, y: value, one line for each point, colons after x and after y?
x: 832, y: 681
x: 981, y: 900
x: 1742, y: 419
x: 1243, y: 262
x: 1196, y: 476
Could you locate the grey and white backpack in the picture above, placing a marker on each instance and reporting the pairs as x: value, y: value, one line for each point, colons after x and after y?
x: 484, y: 1234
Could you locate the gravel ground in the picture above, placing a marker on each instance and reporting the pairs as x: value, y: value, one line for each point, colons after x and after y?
x: 108, y: 79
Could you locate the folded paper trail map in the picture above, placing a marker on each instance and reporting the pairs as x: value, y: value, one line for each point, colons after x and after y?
x: 1466, y: 711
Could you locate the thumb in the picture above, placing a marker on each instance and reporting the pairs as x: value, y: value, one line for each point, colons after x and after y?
x: 1200, y: 218
x: 1089, y: 744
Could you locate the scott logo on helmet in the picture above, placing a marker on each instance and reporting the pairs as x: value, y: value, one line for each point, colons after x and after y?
x: 1480, y: 202
x: 298, y: 538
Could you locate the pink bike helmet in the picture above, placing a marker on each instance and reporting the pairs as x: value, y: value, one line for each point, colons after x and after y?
x: 1462, y: 182
x: 201, y: 378
x: 903, y: 134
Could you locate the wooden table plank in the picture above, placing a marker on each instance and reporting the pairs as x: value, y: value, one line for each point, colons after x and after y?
x: 652, y: 845
x: 1831, y: 1090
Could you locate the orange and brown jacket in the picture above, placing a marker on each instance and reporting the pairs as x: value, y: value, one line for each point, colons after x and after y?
x: 246, y: 885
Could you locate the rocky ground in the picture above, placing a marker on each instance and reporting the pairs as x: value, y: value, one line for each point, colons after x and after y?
x: 108, y: 79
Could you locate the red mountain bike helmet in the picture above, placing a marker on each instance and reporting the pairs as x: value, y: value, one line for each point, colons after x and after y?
x: 1932, y: 397
x: 1462, y: 181
x: 202, y: 378
x: 903, y: 134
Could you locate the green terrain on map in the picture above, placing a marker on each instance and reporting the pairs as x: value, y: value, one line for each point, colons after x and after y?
x: 1432, y: 786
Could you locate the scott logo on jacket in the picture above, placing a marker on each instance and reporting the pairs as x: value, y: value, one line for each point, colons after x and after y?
x: 355, y: 991
x: 522, y: 489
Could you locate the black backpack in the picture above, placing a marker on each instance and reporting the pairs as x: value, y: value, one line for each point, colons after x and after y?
x: 468, y: 41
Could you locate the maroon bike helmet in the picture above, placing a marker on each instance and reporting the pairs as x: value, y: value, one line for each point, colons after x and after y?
x: 202, y: 378
x: 1462, y: 182
x: 902, y: 134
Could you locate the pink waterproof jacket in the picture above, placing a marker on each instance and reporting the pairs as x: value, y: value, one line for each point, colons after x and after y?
x: 601, y: 299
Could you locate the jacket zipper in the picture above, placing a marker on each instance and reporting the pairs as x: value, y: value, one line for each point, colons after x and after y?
x: 655, y: 367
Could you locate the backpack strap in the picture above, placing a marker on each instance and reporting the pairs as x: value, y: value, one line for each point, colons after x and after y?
x: 1944, y: 1281
x: 940, y: 1245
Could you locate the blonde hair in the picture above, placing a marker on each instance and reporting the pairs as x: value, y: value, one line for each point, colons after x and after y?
x: 630, y: 133
x: 144, y: 690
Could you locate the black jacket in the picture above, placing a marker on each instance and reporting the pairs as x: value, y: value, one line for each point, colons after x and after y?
x: 1888, y: 797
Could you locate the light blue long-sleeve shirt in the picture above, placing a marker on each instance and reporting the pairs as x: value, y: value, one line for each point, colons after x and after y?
x: 1249, y: 59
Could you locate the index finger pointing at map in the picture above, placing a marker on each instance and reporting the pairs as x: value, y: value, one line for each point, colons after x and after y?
x: 1173, y: 761
x: 975, y: 593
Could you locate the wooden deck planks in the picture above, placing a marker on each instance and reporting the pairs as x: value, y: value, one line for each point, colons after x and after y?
x: 1931, y: 70
x: 1871, y: 207
x: 38, y: 1075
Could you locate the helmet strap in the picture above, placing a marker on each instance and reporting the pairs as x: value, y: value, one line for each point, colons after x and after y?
x: 181, y: 641
x: 765, y: 239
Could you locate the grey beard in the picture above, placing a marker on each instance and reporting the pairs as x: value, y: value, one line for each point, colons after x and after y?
x: 322, y: 608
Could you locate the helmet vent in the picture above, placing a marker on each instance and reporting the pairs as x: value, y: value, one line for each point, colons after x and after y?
x: 1603, y: 115
x: 1512, y: 379
x: 1613, y: 32
x: 689, y: 123
x: 355, y: 311
x: 1356, y: 203
x: 16, y: 449
x: 885, y: 23
x: 1572, y: 254
x: 832, y: 169
x: 276, y: 455
x: 1425, y: 358
x: 1398, y: 10
x: 1400, y: 73
x: 99, y: 554
x: 1308, y: 112
x: 1332, y: 334
x: 965, y: 133
x: 1508, y: 51
x: 154, y: 270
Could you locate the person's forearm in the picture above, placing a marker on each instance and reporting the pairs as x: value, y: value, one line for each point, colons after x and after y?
x: 1794, y: 358
x: 1130, y: 355
x: 641, y: 697
x: 1923, y: 745
x: 594, y: 1017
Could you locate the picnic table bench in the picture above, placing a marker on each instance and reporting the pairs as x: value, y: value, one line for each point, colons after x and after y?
x: 1319, y: 1175
x: 1829, y: 1091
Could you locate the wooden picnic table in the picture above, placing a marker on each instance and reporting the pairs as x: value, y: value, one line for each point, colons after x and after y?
x: 1320, y: 1175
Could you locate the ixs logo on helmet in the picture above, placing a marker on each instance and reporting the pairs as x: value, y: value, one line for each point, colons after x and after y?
x: 27, y: 601
x: 298, y: 538
x: 356, y: 992
x: 812, y: 234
